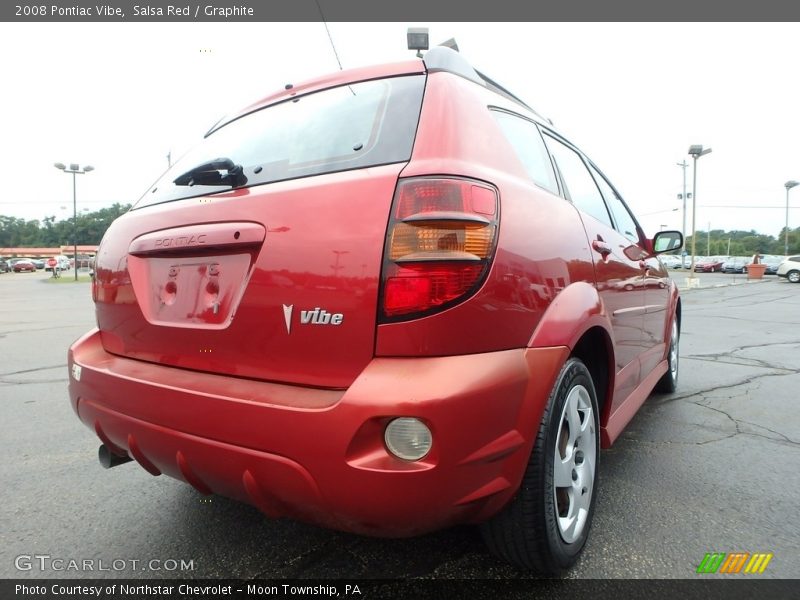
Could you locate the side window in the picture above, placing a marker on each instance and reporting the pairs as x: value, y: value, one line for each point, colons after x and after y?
x: 580, y: 185
x: 626, y: 224
x: 527, y: 142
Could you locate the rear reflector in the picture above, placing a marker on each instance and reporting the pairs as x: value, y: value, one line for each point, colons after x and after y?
x: 439, y: 245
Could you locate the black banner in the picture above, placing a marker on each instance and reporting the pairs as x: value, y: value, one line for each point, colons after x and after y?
x: 404, y: 10
x: 572, y: 589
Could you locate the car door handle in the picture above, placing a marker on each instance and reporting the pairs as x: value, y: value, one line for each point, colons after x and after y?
x: 601, y: 247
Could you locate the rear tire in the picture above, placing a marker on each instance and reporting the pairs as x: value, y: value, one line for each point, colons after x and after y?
x: 793, y: 276
x: 669, y: 381
x: 546, y: 524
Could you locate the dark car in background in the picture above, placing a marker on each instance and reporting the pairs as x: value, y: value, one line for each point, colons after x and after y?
x: 772, y: 262
x: 736, y: 264
x: 3, y: 266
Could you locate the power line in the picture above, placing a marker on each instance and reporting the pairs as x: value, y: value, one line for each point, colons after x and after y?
x: 46, y: 202
x: 736, y: 206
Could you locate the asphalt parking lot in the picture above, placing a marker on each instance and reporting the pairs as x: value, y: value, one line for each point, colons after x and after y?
x: 712, y: 468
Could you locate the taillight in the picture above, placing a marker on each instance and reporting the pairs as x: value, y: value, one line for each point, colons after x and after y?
x: 439, y: 245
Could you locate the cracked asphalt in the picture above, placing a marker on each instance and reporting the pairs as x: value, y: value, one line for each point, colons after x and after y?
x: 713, y: 467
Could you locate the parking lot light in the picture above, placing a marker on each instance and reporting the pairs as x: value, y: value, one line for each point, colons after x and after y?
x: 417, y: 38
x: 75, y: 169
x: 683, y: 164
x: 696, y: 151
x: 788, y: 185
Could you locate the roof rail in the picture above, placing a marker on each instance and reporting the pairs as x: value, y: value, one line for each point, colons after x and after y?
x: 442, y: 58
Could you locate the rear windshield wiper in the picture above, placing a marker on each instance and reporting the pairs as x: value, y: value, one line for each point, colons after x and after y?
x: 220, y: 171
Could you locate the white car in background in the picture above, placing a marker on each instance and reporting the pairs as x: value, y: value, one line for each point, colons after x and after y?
x: 62, y: 264
x: 671, y: 261
x: 790, y: 268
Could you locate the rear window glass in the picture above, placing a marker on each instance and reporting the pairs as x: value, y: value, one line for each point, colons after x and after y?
x: 529, y: 146
x: 348, y: 127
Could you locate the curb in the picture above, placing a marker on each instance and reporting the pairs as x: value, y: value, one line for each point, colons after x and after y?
x: 684, y: 288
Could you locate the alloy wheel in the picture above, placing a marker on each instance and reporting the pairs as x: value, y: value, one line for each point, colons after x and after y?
x: 574, y: 464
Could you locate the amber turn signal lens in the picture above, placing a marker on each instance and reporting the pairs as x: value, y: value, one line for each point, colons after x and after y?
x: 441, y: 240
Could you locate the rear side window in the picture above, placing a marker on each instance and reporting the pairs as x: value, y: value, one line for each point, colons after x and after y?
x: 581, y: 186
x: 347, y: 127
x: 626, y: 224
x: 527, y: 142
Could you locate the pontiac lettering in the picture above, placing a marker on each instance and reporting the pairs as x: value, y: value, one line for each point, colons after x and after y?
x: 184, y: 240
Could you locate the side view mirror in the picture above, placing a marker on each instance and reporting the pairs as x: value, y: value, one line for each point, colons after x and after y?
x: 666, y: 241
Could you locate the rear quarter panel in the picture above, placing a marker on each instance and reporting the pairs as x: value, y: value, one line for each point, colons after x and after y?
x: 542, y: 247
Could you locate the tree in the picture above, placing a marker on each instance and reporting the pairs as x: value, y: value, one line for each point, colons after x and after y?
x: 88, y: 230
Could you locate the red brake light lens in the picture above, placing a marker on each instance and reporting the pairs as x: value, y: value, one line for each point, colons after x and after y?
x: 422, y: 287
x: 439, y: 245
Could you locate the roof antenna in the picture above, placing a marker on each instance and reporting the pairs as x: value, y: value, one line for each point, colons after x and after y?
x: 324, y: 22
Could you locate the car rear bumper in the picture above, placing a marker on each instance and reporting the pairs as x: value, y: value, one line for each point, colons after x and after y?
x: 318, y: 455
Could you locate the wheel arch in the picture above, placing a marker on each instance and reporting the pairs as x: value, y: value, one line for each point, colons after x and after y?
x: 674, y: 308
x: 577, y: 319
x: 595, y: 350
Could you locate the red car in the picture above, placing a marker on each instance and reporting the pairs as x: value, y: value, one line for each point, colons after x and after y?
x: 24, y: 266
x: 383, y: 301
x: 709, y: 265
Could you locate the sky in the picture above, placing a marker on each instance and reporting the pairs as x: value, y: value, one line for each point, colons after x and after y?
x: 632, y: 96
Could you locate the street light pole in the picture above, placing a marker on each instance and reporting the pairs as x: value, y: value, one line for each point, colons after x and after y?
x: 683, y: 165
x: 788, y: 185
x: 75, y: 169
x: 696, y: 151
